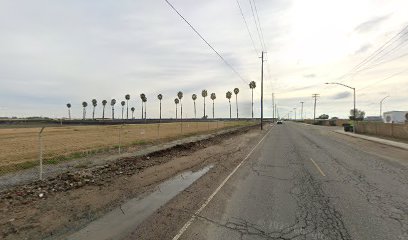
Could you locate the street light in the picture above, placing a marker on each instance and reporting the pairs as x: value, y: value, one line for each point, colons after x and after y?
x: 381, y: 105
x: 294, y: 110
x: 354, y: 109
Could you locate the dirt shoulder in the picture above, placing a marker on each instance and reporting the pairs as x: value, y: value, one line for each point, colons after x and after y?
x: 65, y: 203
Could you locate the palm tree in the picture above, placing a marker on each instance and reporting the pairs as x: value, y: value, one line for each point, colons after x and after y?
x: 213, y: 97
x: 236, y: 91
x: 123, y: 106
x: 84, y: 105
x: 94, y: 104
x: 133, y: 111
x: 252, y: 86
x: 160, y: 97
x: 144, y: 100
x: 69, y: 110
x: 176, y: 101
x: 228, y: 95
x: 180, y: 96
x: 204, y: 94
x: 113, y: 102
x: 194, y: 97
x: 127, y: 97
x: 104, y: 102
x: 142, y: 96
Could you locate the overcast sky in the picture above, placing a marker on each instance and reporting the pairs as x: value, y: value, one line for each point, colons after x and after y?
x: 55, y: 52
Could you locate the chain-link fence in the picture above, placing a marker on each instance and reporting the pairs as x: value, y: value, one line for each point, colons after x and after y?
x: 35, y: 153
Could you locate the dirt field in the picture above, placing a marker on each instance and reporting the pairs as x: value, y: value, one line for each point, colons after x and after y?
x: 69, y: 201
x: 19, y: 146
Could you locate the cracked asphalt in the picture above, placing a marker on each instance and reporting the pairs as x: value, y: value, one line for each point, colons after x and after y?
x: 305, y: 182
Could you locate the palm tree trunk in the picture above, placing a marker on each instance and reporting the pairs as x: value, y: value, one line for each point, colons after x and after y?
x: 204, y: 107
x: 195, y: 113
x: 122, y: 112
x: 113, y: 113
x: 176, y: 111
x: 213, y: 109
x: 103, y: 113
x: 142, y: 110
x: 69, y: 114
x: 145, y: 111
x: 160, y: 110
x: 229, y: 100
x: 83, y: 114
x: 252, y: 102
x: 93, y: 113
x: 236, y: 102
x: 127, y: 109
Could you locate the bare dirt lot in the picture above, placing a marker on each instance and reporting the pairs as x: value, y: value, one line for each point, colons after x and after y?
x: 19, y: 147
x: 64, y: 204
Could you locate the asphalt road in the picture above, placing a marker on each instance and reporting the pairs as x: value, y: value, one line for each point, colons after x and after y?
x: 302, y: 182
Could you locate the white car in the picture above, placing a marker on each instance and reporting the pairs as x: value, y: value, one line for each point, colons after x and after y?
x: 279, y: 122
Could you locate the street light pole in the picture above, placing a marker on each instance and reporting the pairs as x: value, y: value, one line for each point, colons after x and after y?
x: 354, y: 102
x: 294, y: 110
x: 381, y: 105
x: 301, y: 111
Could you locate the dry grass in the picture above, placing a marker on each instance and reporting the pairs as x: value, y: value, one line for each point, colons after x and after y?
x: 19, y: 146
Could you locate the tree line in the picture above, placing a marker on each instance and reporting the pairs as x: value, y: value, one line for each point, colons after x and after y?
x: 178, y: 100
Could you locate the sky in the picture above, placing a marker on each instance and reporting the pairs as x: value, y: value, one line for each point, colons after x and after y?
x: 58, y: 52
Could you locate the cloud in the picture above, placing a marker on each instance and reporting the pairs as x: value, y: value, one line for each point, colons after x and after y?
x: 370, y: 24
x: 363, y: 48
x: 341, y: 95
x: 312, y: 75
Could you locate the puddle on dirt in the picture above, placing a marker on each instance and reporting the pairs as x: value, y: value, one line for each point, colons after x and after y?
x: 121, y: 221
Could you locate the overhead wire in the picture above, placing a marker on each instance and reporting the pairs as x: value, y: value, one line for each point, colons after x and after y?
x: 246, y: 25
x: 209, y: 45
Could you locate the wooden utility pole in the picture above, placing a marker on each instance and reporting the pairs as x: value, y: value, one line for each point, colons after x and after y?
x: 315, y: 96
x: 262, y: 59
x: 273, y: 107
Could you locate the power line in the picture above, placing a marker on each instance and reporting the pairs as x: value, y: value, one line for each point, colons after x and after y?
x: 391, y: 76
x: 256, y: 25
x: 375, y: 53
x: 260, y: 26
x: 219, y: 55
x: 246, y: 24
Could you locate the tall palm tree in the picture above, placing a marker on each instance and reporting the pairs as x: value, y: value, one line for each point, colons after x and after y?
x: 142, y: 96
x: 127, y: 97
x: 180, y: 96
x: 69, y: 110
x: 133, y: 111
x: 176, y: 101
x: 94, y: 104
x: 252, y: 86
x: 123, y: 107
x: 84, y: 105
x: 113, y: 102
x: 213, y: 97
x: 204, y: 94
x: 236, y: 91
x: 160, y: 97
x: 228, y: 95
x: 104, y: 102
x: 194, y: 97
x: 144, y: 100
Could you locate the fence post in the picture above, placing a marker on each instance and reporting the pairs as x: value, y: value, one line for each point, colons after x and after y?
x: 40, y: 148
x: 120, y: 136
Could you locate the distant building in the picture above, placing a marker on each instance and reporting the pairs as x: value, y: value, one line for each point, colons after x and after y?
x: 395, y: 117
x: 373, y: 119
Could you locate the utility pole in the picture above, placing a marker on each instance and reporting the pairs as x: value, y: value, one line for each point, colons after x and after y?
x: 273, y: 107
x: 301, y: 111
x: 294, y: 110
x: 262, y: 59
x: 315, y: 96
x: 276, y: 112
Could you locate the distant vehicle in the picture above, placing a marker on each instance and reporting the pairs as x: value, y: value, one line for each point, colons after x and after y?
x: 279, y: 122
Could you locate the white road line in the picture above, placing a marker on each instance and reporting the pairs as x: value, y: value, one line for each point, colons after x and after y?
x: 188, y: 223
x: 318, y: 168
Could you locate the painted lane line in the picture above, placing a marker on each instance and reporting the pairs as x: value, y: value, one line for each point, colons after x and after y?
x: 318, y: 168
x: 189, y: 222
